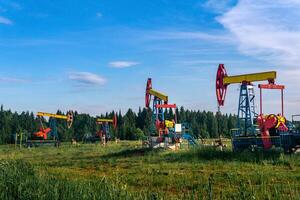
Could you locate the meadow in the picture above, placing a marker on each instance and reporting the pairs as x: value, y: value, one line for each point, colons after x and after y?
x: 128, y: 171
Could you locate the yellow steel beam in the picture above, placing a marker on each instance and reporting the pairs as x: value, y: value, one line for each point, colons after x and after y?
x: 158, y: 94
x: 105, y: 120
x: 40, y: 114
x: 263, y: 76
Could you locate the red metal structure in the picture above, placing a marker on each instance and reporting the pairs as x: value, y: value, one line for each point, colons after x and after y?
x: 160, y: 104
x: 246, y: 112
x: 221, y: 88
x: 42, y: 133
x: 272, y: 121
x: 271, y: 87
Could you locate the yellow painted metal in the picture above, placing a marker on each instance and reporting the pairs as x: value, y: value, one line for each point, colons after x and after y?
x: 158, y: 94
x: 105, y: 120
x: 43, y: 114
x: 169, y: 124
x: 263, y: 76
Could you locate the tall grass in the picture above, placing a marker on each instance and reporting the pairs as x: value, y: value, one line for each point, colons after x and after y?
x: 19, y: 180
x: 125, y: 171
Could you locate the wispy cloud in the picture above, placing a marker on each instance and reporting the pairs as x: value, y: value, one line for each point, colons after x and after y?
x: 123, y: 64
x: 87, y: 78
x: 92, y: 109
x: 269, y: 31
x: 12, y: 80
x: 186, y: 35
x: 11, y: 4
x: 5, y: 21
x: 7, y: 5
x: 218, y: 6
x: 33, y: 42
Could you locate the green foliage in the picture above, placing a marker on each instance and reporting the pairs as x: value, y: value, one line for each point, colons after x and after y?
x: 140, y: 134
x: 203, y: 124
x: 129, y: 125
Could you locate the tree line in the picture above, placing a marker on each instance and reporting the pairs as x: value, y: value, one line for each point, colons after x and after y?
x: 130, y: 126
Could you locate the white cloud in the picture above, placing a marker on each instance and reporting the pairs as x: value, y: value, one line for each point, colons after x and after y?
x: 270, y: 31
x: 123, y: 64
x: 6, y: 21
x: 267, y: 30
x: 87, y: 78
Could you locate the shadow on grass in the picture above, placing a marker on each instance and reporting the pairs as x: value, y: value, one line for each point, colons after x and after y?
x: 208, y: 154
x: 131, y: 153
x: 200, y: 154
x: 85, y: 160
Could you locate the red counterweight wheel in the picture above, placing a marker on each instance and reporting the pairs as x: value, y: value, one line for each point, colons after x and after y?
x: 70, y: 118
x: 148, y: 95
x: 272, y: 121
x: 115, y: 121
x: 221, y: 88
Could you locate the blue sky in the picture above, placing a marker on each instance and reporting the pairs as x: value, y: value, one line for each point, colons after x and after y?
x: 95, y: 55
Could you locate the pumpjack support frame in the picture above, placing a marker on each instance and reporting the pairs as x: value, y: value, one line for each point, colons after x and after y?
x: 246, y: 110
x: 159, y: 105
x: 253, y: 130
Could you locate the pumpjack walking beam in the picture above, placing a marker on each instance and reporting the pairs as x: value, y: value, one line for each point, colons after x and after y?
x: 52, y: 123
x: 105, y: 124
x: 68, y: 116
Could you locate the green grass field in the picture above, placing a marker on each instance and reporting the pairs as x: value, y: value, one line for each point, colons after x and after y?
x: 127, y: 171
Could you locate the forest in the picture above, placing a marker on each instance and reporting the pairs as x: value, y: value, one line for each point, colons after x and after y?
x: 131, y: 125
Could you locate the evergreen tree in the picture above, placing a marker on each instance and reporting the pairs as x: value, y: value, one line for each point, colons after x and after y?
x: 130, y: 126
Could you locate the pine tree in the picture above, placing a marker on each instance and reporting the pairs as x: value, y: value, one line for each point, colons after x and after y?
x: 202, y: 124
